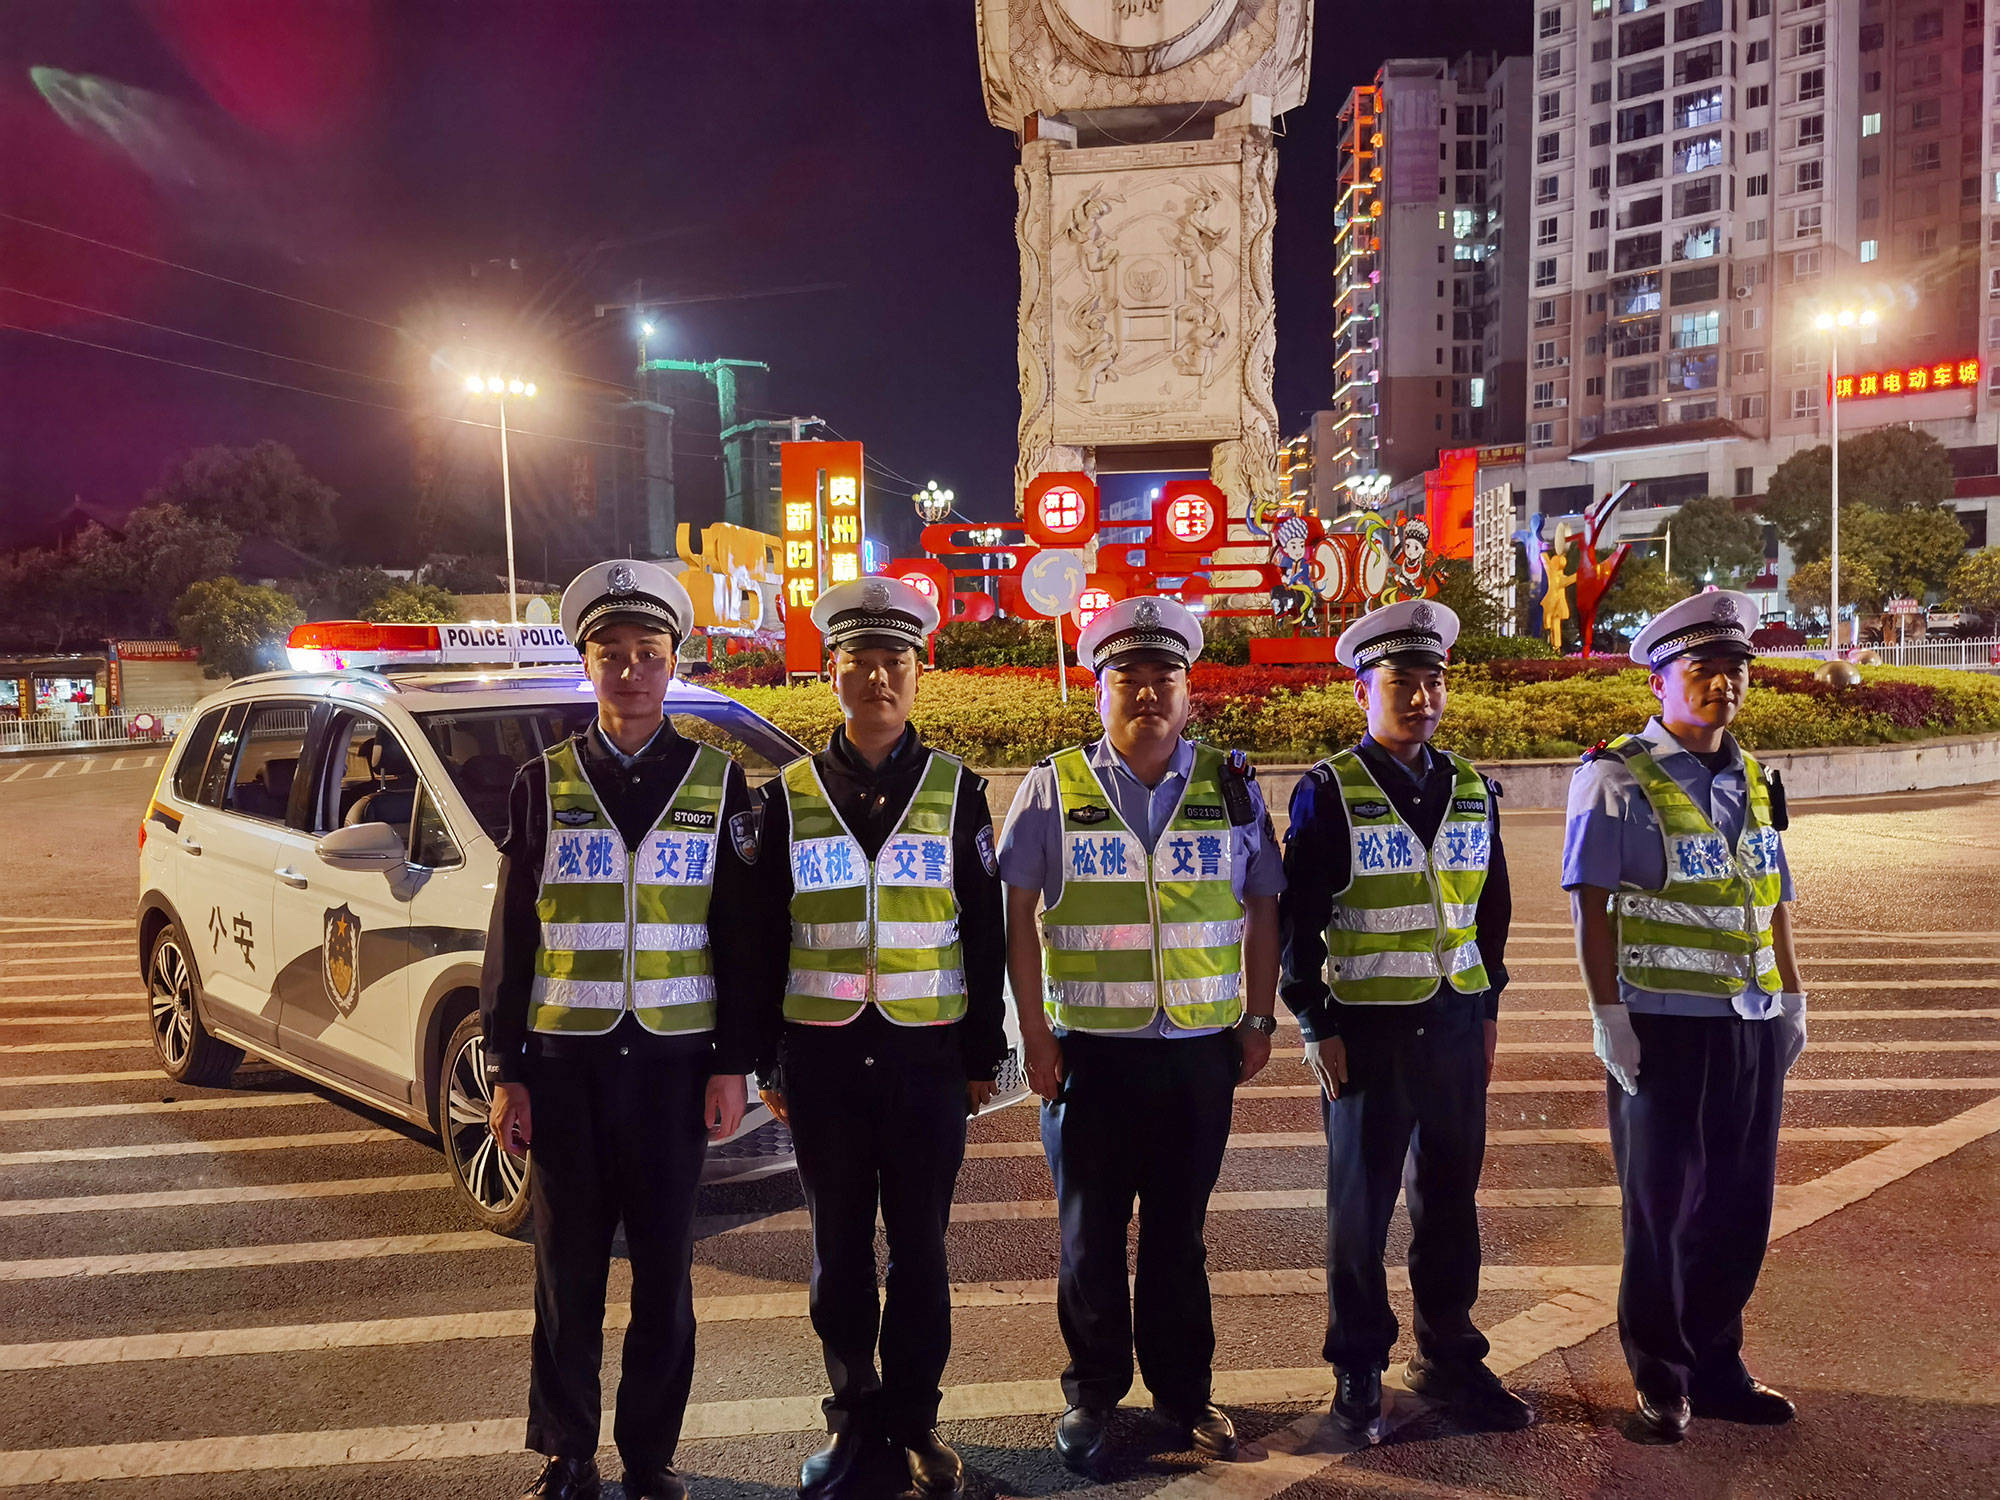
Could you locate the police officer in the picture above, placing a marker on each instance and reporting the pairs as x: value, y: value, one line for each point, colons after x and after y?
x: 1675, y: 865
x: 1155, y: 863
x: 616, y: 1026
x: 883, y: 1028
x: 1394, y: 869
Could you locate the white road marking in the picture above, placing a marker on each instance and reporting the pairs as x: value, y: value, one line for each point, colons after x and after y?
x: 133, y: 996
x: 1803, y: 935
x: 501, y: 1323
x: 68, y: 924
x: 1811, y: 960
x: 106, y: 1046
x: 292, y: 1100
x: 18, y: 773
x: 269, y: 1192
x: 114, y: 1018
x: 251, y: 1257
x: 73, y: 958
x: 1817, y: 1014
x: 38, y: 945
x: 1277, y: 1140
x: 63, y: 1080
x: 226, y: 1146
x: 1550, y: 1049
x: 1817, y: 986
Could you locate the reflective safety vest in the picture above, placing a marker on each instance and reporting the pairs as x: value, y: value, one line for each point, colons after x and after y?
x: 1136, y: 931
x: 1407, y: 920
x: 1709, y: 931
x: 885, y: 931
x: 625, y: 930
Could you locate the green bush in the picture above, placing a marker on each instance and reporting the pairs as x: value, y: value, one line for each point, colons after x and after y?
x: 1475, y: 646
x: 238, y: 628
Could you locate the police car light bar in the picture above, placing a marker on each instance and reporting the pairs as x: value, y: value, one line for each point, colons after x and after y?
x: 334, y: 645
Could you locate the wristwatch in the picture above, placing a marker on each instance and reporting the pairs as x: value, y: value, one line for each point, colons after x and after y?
x: 1268, y: 1025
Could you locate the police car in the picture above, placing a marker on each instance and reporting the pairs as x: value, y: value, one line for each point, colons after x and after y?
x: 318, y: 862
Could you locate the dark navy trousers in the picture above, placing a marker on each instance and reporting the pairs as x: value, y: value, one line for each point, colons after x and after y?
x: 878, y: 1122
x: 617, y: 1137
x: 1697, y: 1155
x: 1412, y: 1115
x: 1145, y: 1120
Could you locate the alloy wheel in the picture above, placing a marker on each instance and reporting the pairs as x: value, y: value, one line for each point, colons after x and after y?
x: 495, y: 1179
x: 170, y: 991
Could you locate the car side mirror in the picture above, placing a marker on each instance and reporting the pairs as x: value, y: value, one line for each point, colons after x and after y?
x: 365, y: 846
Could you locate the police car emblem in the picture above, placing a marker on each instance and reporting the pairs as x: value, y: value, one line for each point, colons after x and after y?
x: 340, y: 959
x: 745, y: 829
x: 620, y: 580
x: 987, y: 857
x: 875, y: 594
x: 1147, y: 612
x: 1089, y: 814
x: 573, y: 817
x: 1724, y: 611
x: 1423, y: 617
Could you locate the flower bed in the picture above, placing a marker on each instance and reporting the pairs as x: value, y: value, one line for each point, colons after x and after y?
x: 1510, y: 710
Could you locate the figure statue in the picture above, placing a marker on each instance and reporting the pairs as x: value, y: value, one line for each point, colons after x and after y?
x: 1094, y: 318
x: 1555, y: 602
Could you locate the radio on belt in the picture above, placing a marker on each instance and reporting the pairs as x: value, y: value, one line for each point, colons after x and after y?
x: 335, y: 645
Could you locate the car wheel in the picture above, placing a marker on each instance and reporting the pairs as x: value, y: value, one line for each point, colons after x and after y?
x: 492, y: 1184
x: 187, y: 1053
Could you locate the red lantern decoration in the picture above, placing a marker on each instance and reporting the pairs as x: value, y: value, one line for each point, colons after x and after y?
x: 1188, y: 516
x: 1060, y: 510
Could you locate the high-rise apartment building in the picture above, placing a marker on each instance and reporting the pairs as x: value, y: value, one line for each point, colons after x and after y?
x: 1708, y: 177
x: 1430, y: 243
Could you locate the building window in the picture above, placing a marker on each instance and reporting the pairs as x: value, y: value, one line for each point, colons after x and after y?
x: 1700, y: 19
x: 1808, y: 176
x: 1600, y: 178
x: 1757, y: 52
x: 1751, y: 408
x: 1698, y: 153
x: 1545, y: 272
x: 1809, y: 38
x: 1552, y: 21
x: 1812, y: 85
x: 1547, y: 189
x: 1926, y: 242
x: 1703, y: 107
x: 1697, y: 330
x: 1750, y: 362
x: 1703, y: 197
x: 1750, y: 274
x: 1641, y: 121
x: 1869, y: 250
x: 1600, y: 92
x: 1545, y: 354
x: 1756, y: 229
x: 1642, y: 78
x: 1871, y: 37
x: 1642, y: 35
x: 1925, y: 114
x: 1757, y: 96
x: 1638, y: 252
x: 1696, y: 411
x: 1805, y: 221
x: 1545, y: 231
x: 1699, y: 242
x: 1642, y: 165
x: 1545, y: 312
x: 1597, y: 260
x: 1925, y: 157
x: 1756, y: 140
x: 1757, y: 185
x: 1753, y: 319
x: 1549, y: 107
x: 1698, y: 63
x: 1871, y: 124
x: 1599, y: 217
x: 1703, y: 285
x: 1812, y: 130
x: 1544, y: 394
x: 1548, y: 65
x: 1805, y: 402
x: 1547, y: 148
x: 1805, y: 265
x: 1758, y: 9
x: 1928, y: 26
x: 1542, y: 434
x: 1870, y: 165
x: 1600, y: 134
x: 1628, y: 382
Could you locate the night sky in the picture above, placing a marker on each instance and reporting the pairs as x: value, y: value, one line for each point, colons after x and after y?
x: 363, y: 156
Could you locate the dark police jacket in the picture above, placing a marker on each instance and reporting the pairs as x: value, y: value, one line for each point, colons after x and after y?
x: 871, y: 801
x: 633, y: 798
x: 1318, y: 864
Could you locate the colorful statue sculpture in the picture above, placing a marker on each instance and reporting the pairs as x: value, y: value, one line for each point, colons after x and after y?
x: 1555, y: 598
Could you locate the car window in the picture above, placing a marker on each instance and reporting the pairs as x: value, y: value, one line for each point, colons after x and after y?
x: 483, y: 748
x: 369, y: 777
x: 267, y: 760
x: 195, y: 745
x: 431, y: 845
x: 723, y: 733
x: 222, y: 757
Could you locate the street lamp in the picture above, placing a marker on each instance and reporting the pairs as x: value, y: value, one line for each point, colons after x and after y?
x: 932, y: 503
x: 1830, y: 324
x: 500, y: 388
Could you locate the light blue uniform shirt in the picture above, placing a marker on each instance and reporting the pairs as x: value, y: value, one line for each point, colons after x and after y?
x: 1031, y: 855
x: 1613, y: 840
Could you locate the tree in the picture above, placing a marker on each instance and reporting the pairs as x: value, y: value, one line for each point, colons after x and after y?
x: 1643, y: 588
x: 262, y: 491
x: 463, y: 575
x: 1715, y: 542
x: 1890, y: 469
x: 237, y: 627
x: 168, y: 549
x: 1859, y: 586
x: 1909, y: 552
x: 1459, y: 590
x: 414, y: 604
x: 1975, y: 582
x: 345, y: 593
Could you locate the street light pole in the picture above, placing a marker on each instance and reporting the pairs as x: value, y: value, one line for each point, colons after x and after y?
x: 507, y: 506
x: 1833, y: 529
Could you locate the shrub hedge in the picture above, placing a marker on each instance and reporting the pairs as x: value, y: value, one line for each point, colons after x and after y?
x: 1501, y: 710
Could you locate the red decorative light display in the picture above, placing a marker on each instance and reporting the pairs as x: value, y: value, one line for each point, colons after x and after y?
x: 1090, y: 604
x: 1060, y: 510
x: 1915, y: 380
x: 1188, y: 516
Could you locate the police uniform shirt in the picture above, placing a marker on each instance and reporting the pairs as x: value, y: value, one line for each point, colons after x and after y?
x: 1318, y: 866
x: 634, y: 791
x: 1613, y: 841
x: 1031, y: 850
x: 871, y: 800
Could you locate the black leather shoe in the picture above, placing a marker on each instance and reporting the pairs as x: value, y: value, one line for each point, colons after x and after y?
x: 1472, y: 1392
x: 1357, y: 1404
x: 842, y: 1468
x: 654, y: 1484
x: 1081, y: 1440
x: 1755, y: 1404
x: 1207, y: 1426
x: 566, y: 1479
x: 935, y: 1467
x: 1663, y: 1421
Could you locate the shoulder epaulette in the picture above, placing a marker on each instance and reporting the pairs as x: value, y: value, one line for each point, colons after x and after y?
x: 1493, y: 786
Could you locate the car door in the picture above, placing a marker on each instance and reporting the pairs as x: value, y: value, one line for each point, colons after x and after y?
x: 345, y: 933
x: 230, y: 838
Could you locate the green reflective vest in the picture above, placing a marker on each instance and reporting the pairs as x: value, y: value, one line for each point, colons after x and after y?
x: 1709, y: 931
x: 1136, y: 931
x: 1407, y: 921
x: 622, y: 929
x: 884, y: 932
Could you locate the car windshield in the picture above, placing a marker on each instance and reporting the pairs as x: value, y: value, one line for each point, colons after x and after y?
x: 482, y: 748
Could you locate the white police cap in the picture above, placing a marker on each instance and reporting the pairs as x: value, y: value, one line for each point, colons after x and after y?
x: 625, y: 591
x: 875, y: 611
x: 1716, y: 621
x: 1140, y: 627
x: 1420, y: 629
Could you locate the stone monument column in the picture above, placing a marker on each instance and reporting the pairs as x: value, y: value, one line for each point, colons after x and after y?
x: 1147, y: 168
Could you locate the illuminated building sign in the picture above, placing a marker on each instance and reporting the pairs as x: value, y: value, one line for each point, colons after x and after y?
x: 1950, y: 375
x: 823, y: 506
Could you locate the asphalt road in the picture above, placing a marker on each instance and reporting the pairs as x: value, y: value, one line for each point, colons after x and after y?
x: 260, y: 1291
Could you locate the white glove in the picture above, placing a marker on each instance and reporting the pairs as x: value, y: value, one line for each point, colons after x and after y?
x: 1616, y: 1044
x: 1316, y: 1060
x: 1792, y: 1016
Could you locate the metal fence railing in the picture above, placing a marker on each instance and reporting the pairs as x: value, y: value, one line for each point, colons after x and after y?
x: 1983, y: 654
x: 136, y: 727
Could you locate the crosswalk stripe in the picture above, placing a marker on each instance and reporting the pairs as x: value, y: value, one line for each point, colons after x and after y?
x: 110, y: 1018
x: 130, y: 997
x: 68, y: 924
x: 160, y: 1107
x: 1806, y: 959
x: 65, y: 1080
x: 214, y: 1343
x: 1823, y: 1047
x: 1816, y: 986
x: 71, y: 958
x: 268, y: 1192
x: 226, y: 1146
x: 1277, y: 1140
x: 13, y: 1048
x: 1596, y: 1086
x: 40, y: 943
x: 252, y: 1257
x: 1818, y: 1013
